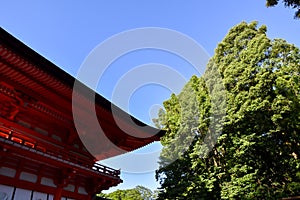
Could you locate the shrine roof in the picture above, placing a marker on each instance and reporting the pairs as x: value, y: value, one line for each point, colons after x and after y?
x: 39, y: 78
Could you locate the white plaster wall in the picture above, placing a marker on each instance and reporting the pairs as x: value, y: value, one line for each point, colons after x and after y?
x: 81, y: 190
x: 39, y: 196
x: 22, y: 194
x: 5, y: 171
x: 47, y: 181
x: 28, y: 177
x: 6, y: 191
x: 70, y: 188
x: 50, y: 197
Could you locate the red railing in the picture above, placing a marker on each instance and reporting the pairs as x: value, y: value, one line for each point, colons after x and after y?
x: 55, y: 153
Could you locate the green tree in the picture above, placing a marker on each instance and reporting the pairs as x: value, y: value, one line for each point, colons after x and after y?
x: 137, y: 193
x: 257, y: 154
x: 145, y: 193
x: 295, y: 4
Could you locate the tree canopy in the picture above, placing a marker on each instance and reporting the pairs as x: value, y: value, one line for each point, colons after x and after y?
x: 295, y: 4
x: 137, y: 193
x: 250, y: 151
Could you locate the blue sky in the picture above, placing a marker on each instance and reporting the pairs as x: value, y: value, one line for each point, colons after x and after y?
x: 65, y: 32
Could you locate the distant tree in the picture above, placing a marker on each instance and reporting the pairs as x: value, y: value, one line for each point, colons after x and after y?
x: 295, y: 4
x: 145, y: 193
x: 137, y: 193
x: 257, y: 154
x: 155, y: 194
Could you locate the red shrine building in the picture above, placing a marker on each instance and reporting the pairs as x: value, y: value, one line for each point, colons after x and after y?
x: 42, y: 156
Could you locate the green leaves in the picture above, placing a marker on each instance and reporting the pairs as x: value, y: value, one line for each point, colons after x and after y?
x: 295, y: 4
x: 250, y: 94
x: 137, y: 193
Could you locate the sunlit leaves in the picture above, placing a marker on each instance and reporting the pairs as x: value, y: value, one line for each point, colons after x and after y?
x: 257, y: 154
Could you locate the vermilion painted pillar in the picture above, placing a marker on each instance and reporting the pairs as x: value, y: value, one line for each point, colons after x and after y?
x: 58, y: 193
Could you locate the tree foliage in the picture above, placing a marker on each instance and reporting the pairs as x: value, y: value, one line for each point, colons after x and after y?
x: 295, y: 4
x: 137, y: 193
x: 256, y: 155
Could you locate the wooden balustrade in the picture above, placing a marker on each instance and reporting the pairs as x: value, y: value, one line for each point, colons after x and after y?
x: 59, y: 154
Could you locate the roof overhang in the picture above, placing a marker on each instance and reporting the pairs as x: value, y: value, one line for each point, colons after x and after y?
x: 112, y: 133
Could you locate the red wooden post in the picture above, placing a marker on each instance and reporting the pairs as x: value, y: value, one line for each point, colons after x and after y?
x: 58, y: 193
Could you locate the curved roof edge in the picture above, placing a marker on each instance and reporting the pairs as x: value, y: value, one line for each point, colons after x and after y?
x: 66, y: 79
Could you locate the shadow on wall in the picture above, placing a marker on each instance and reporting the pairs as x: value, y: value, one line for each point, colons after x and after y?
x: 3, y: 196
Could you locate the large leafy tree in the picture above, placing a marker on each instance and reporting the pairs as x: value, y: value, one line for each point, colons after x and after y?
x: 295, y: 4
x: 187, y: 120
x: 256, y: 156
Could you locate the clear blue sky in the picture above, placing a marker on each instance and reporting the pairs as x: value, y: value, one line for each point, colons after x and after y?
x: 66, y: 31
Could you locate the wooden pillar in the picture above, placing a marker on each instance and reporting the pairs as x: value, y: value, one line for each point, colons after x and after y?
x: 58, y: 193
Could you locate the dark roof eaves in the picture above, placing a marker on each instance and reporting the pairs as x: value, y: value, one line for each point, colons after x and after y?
x: 53, y: 70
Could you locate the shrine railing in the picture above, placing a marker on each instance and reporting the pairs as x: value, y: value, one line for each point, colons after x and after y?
x: 14, y: 138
